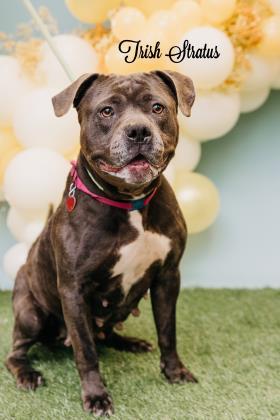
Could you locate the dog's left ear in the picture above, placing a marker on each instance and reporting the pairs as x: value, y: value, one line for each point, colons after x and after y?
x: 73, y: 94
x: 182, y: 88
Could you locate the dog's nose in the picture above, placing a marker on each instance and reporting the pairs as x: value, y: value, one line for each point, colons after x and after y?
x: 138, y: 133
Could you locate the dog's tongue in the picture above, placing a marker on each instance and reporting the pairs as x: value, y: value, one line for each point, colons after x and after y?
x: 138, y: 163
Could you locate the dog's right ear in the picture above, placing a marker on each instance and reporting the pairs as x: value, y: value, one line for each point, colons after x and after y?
x: 73, y: 94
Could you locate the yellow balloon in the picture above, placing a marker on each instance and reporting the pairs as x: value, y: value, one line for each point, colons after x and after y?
x: 91, y: 11
x: 149, y: 6
x: 6, y: 158
x: 128, y: 23
x: 217, y: 11
x: 198, y: 198
x: 270, y: 44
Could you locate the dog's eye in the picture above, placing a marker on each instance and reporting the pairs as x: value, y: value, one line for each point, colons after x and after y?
x: 158, y: 108
x: 107, y: 111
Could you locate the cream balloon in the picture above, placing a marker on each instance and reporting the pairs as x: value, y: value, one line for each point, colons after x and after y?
x: 208, y: 72
x: 161, y: 26
x: 270, y: 44
x: 34, y: 179
x: 217, y: 11
x: 213, y: 115
x: 259, y: 74
x: 14, y: 258
x: 169, y: 173
x: 128, y: 23
x: 41, y: 128
x: 188, y: 15
x: 187, y: 154
x: 12, y: 86
x: 78, y: 54
x: 115, y: 62
x: 275, y: 6
x: 198, y: 198
x: 91, y: 11
x: 253, y: 99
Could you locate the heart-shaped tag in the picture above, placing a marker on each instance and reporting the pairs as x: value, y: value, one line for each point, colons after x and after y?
x: 70, y: 203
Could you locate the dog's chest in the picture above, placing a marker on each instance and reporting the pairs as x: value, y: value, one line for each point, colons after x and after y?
x: 136, y: 257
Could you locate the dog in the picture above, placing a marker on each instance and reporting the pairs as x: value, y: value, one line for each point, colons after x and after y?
x: 117, y: 232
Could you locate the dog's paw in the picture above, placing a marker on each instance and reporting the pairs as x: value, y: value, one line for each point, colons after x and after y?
x: 99, y: 405
x: 130, y: 344
x: 136, y: 345
x: 178, y: 374
x: 29, y: 380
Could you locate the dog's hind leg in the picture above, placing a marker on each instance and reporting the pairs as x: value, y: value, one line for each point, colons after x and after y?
x: 29, y: 322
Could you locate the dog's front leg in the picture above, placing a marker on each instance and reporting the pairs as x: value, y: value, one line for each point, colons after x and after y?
x: 78, y: 322
x: 164, y: 294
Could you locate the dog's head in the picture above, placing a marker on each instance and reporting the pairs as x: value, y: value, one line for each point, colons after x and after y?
x: 129, y: 127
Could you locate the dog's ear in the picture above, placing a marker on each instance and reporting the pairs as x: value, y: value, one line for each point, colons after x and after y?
x: 72, y: 94
x: 182, y: 88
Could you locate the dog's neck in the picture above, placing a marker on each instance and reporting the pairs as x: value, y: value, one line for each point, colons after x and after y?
x: 99, y: 186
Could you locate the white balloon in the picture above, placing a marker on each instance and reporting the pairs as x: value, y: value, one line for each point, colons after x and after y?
x: 208, y: 72
x: 32, y: 231
x: 34, y: 179
x: 260, y: 73
x: 253, y: 99
x: 14, y: 258
x: 169, y: 173
x: 24, y: 227
x: 187, y: 154
x: 16, y: 223
x: 78, y: 54
x: 35, y: 124
x: 12, y: 86
x: 275, y: 6
x: 213, y: 115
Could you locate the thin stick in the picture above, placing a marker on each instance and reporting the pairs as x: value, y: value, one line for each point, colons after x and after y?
x: 45, y: 32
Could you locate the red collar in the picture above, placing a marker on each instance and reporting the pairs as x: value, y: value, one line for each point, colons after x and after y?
x: 125, y: 205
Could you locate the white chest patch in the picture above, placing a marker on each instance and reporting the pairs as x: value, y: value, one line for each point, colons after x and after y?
x: 136, y: 257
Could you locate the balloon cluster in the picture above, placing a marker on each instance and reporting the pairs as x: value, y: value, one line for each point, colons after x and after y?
x: 35, y: 146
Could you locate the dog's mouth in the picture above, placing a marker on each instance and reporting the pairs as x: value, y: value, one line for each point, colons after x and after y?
x: 139, y: 163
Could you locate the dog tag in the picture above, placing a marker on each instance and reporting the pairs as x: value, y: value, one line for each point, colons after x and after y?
x: 70, y: 203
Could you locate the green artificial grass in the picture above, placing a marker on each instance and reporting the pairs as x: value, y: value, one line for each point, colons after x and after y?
x: 229, y: 339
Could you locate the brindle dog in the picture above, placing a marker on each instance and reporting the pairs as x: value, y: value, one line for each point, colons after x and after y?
x: 90, y: 267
